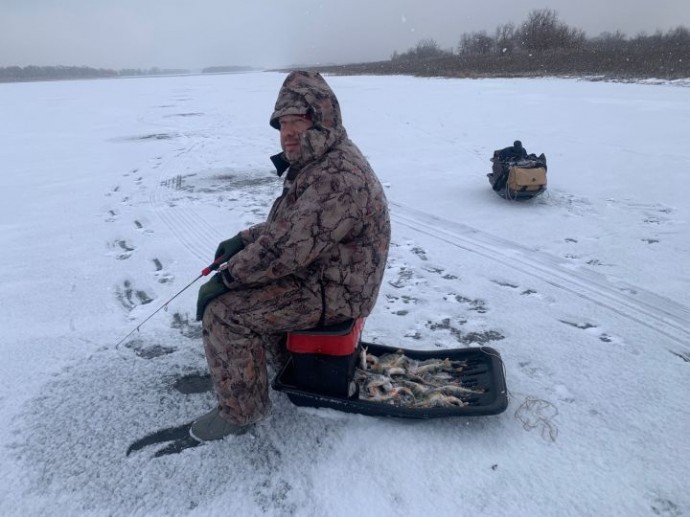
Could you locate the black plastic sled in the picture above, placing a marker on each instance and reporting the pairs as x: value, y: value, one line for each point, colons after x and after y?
x: 516, y: 175
x: 483, y: 373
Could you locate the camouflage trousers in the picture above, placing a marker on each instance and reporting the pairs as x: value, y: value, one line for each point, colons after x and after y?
x: 245, y: 328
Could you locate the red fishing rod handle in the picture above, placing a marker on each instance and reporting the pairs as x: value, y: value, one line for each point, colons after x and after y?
x: 215, y: 265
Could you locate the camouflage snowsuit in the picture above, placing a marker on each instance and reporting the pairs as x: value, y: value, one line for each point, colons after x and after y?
x: 318, y: 258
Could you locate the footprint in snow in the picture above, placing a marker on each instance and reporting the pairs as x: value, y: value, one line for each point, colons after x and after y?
x: 665, y: 507
x: 419, y: 252
x: 523, y: 292
x: 162, y: 276
x: 123, y: 250
x: 130, y: 297
x: 403, y: 279
x: 583, y: 326
x: 597, y: 262
x: 114, y: 190
x: 604, y: 337
x: 189, y: 329
x: 466, y: 338
x: 191, y: 114
x: 395, y: 304
x: 193, y: 383
x: 476, y: 305
x: 651, y: 213
x: 440, y: 271
x: 505, y: 284
x: 139, y: 225
x: 148, y: 350
x: 589, y: 262
x: 414, y: 249
x: 156, y: 136
x: 111, y: 216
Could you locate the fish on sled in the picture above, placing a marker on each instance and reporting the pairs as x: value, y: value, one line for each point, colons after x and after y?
x: 330, y: 367
x: 516, y: 175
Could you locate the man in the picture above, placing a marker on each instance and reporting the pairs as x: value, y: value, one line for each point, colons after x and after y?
x: 318, y: 259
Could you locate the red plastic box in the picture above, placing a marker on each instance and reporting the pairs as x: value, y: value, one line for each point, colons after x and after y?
x: 324, y: 357
x: 340, y: 339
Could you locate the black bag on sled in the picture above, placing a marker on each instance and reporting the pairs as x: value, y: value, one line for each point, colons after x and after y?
x: 517, y: 175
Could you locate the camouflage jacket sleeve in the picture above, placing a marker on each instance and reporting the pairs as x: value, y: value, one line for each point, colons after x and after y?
x: 317, y: 212
x: 252, y: 233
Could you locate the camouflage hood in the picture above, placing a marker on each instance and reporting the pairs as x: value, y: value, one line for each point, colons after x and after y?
x: 307, y: 93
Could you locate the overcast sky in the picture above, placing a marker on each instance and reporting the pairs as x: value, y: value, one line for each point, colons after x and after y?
x: 197, y: 33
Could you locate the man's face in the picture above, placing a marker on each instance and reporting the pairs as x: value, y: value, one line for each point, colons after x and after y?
x: 291, y: 127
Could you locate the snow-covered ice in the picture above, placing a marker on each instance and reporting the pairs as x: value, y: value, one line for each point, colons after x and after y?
x: 116, y: 193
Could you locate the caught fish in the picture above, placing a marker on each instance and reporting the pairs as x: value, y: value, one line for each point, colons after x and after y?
x: 374, y: 386
x: 439, y: 365
x: 387, y: 370
x: 398, y: 359
x: 381, y: 389
x: 458, y: 391
x: 440, y: 400
x: 397, y: 379
x: 417, y: 389
x: 404, y: 396
x: 369, y: 361
x: 363, y: 358
x: 432, y: 367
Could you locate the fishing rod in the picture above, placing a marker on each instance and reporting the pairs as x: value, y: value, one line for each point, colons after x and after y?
x: 204, y: 272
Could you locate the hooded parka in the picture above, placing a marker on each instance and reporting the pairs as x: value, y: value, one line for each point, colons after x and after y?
x: 319, y: 257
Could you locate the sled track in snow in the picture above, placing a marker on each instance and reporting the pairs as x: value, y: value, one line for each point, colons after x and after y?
x: 188, y: 227
x: 645, y: 308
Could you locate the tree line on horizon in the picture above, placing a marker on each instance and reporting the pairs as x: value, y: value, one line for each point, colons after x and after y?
x: 49, y: 73
x: 544, y: 32
x: 545, y: 44
x: 540, y: 46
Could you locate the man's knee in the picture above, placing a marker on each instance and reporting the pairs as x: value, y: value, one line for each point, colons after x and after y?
x: 226, y: 324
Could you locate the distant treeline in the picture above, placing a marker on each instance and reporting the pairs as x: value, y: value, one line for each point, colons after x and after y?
x: 542, y: 45
x: 40, y: 73
x: 51, y: 73
x: 226, y: 69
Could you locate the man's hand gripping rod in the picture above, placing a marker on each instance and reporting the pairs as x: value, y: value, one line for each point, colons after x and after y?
x: 204, y: 272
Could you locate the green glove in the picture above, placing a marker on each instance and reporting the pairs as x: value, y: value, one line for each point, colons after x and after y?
x: 207, y: 292
x: 230, y: 247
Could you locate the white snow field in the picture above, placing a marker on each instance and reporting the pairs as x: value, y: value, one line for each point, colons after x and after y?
x: 116, y: 193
